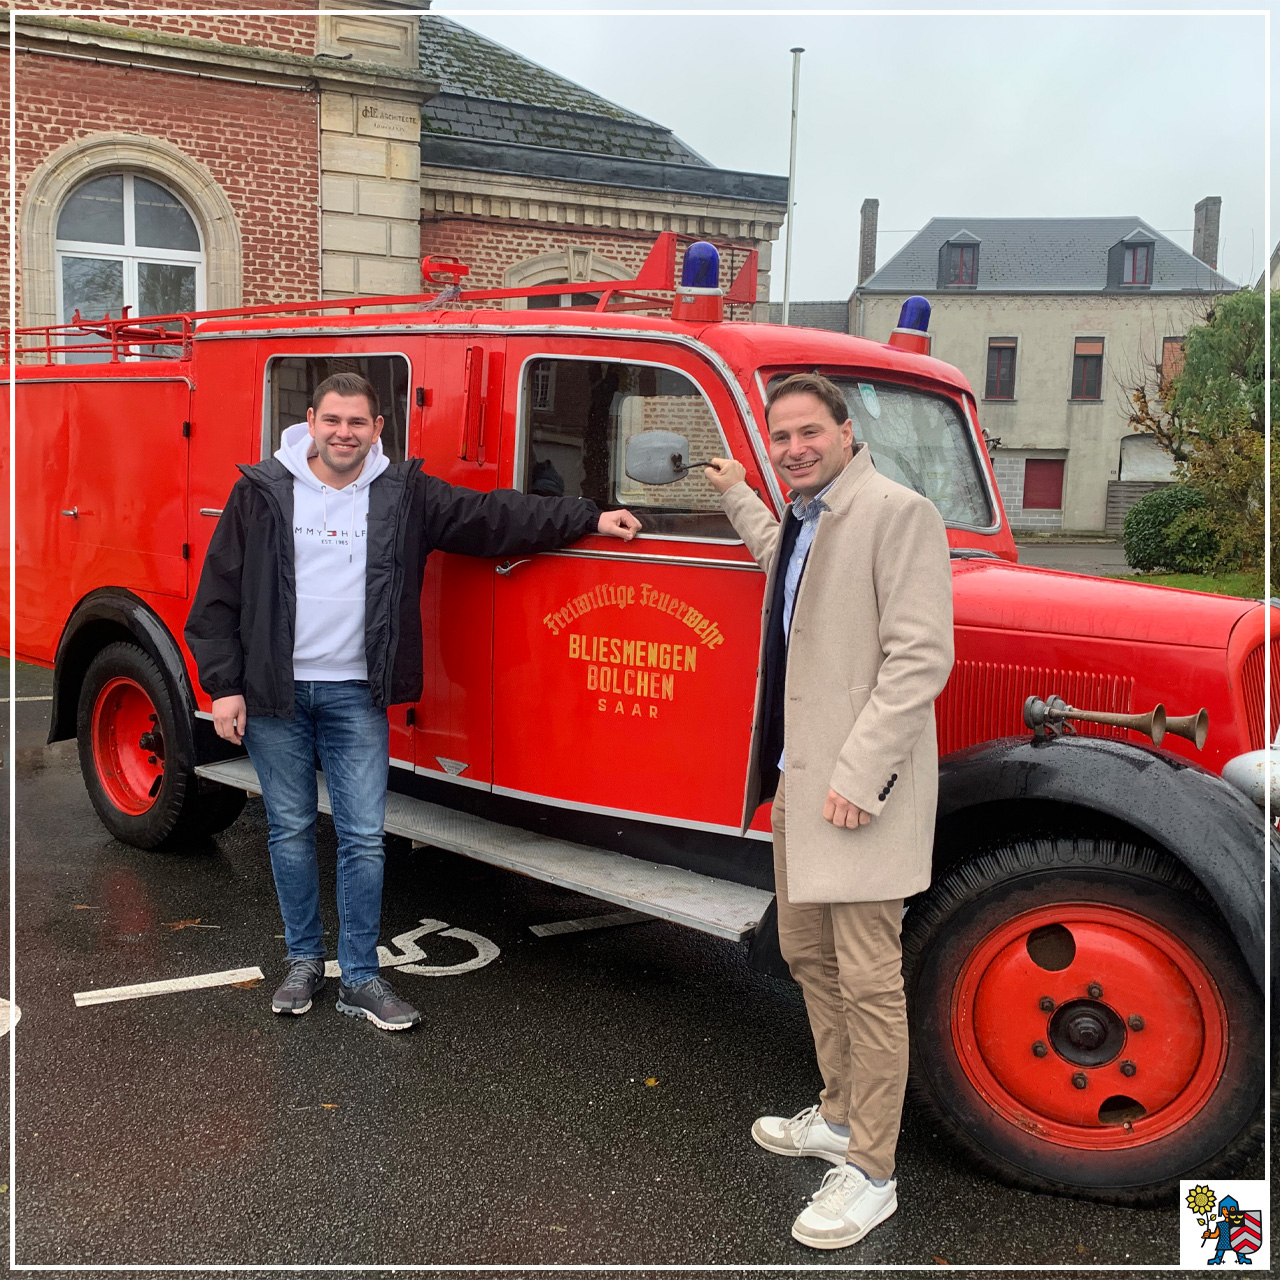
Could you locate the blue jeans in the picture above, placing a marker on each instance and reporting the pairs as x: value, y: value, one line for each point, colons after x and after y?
x: 338, y: 721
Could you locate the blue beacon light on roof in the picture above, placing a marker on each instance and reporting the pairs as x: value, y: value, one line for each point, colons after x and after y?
x: 701, y: 268
x: 912, y: 333
x: 915, y: 315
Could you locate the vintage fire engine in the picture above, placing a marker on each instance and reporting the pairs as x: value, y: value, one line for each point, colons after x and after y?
x: 1085, y: 974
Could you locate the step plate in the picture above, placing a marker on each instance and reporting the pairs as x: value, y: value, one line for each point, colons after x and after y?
x: 714, y: 906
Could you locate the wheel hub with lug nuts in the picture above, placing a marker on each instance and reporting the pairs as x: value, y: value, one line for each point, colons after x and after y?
x: 1017, y: 1023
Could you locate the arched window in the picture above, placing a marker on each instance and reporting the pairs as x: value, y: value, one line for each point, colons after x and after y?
x: 123, y: 240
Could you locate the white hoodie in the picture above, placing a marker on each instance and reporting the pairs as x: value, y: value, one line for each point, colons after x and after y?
x: 329, y: 542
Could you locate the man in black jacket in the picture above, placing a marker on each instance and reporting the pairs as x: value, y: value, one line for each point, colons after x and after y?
x: 307, y: 626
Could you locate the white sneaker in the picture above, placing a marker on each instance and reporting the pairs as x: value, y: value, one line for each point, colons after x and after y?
x: 807, y: 1134
x: 844, y: 1208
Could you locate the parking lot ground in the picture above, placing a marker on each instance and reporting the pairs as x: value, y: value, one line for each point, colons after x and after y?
x: 583, y: 1098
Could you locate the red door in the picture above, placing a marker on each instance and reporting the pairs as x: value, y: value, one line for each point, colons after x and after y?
x: 459, y: 440
x: 624, y: 673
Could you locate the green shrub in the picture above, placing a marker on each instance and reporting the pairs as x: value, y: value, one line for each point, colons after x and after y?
x: 1167, y: 529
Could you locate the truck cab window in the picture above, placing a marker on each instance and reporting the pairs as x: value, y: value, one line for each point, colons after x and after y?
x: 577, y: 418
x: 921, y: 441
x: 291, y: 380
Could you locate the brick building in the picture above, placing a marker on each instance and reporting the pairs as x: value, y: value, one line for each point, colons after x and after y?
x: 177, y: 161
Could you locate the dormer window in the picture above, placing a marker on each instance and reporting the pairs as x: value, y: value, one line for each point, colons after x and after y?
x: 958, y: 262
x: 962, y: 265
x: 1137, y: 264
x: 1131, y: 261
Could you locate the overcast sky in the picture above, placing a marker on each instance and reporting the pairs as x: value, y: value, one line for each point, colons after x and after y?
x: 960, y: 115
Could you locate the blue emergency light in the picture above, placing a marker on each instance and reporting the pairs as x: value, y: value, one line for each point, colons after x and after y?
x: 914, y: 316
x: 701, y: 268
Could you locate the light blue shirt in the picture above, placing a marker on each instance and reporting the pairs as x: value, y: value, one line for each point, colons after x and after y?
x: 807, y: 513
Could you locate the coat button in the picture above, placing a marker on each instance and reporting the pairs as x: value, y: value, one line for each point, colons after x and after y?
x: 884, y: 795
x: 893, y: 777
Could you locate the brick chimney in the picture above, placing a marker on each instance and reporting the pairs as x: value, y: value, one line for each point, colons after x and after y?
x: 867, y: 243
x: 1204, y: 239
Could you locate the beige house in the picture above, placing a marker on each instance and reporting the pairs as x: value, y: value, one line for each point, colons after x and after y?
x: 1051, y: 319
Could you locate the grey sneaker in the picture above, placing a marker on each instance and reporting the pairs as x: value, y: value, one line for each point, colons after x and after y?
x: 376, y: 1001
x: 806, y: 1134
x: 304, y: 979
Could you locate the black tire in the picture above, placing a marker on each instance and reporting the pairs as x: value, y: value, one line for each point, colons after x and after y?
x: 978, y: 905
x: 125, y: 695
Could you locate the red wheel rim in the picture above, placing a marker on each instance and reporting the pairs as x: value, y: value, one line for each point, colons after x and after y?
x: 128, y: 751
x: 1089, y: 1026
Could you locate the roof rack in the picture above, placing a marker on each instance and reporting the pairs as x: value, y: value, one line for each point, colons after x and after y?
x: 170, y: 337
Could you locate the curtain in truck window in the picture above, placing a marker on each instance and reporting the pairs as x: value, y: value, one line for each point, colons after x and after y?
x: 291, y: 381
x: 578, y: 417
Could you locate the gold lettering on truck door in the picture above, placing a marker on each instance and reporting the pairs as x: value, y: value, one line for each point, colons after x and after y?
x: 634, y: 666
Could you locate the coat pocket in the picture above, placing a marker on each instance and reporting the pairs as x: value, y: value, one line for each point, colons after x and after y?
x: 859, y: 696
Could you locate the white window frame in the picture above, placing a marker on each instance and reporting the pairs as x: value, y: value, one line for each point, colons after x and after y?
x: 130, y: 253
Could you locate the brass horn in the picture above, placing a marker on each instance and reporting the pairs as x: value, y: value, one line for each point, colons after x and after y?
x: 1047, y: 716
x: 1195, y: 728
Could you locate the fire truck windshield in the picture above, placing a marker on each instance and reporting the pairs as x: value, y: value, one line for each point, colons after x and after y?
x: 921, y: 441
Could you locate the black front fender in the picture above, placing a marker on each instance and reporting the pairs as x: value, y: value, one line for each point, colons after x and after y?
x: 101, y: 617
x: 1204, y: 822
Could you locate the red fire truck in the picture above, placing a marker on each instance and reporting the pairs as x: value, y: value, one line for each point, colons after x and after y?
x: 1085, y: 974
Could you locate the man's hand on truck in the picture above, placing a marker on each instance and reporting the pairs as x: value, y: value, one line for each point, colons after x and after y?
x: 229, y: 718
x: 724, y: 473
x: 618, y: 524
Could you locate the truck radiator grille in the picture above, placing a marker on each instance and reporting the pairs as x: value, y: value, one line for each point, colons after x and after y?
x: 983, y: 700
x: 1252, y: 678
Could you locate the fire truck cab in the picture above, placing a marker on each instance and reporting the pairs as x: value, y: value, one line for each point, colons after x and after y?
x: 1085, y: 974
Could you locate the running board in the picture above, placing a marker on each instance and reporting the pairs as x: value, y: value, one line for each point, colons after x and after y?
x: 719, y: 907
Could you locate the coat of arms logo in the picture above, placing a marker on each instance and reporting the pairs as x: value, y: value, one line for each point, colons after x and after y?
x: 1228, y: 1228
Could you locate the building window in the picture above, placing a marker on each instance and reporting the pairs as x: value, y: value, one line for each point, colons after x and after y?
x: 1042, y: 484
x: 1002, y: 357
x: 1172, y: 357
x: 1137, y: 264
x: 962, y: 263
x: 125, y: 241
x: 1086, y: 373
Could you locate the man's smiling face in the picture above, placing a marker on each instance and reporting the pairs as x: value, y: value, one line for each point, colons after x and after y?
x: 344, y: 430
x: 807, y: 446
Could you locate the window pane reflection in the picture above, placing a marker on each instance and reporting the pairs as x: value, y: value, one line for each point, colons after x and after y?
x: 95, y: 212
x: 160, y: 221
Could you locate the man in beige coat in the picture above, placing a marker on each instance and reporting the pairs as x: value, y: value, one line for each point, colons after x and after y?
x: 856, y: 644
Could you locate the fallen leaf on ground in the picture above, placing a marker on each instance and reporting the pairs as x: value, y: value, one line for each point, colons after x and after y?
x: 181, y: 924
x: 942, y: 1262
x: 651, y: 1081
x: 329, y: 1106
x: 84, y: 906
x: 248, y: 984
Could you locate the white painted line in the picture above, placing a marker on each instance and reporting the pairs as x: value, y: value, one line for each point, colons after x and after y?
x: 197, y: 982
x: 610, y: 921
x: 9, y: 1015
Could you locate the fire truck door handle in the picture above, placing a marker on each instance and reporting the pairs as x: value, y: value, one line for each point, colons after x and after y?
x: 74, y: 513
x: 215, y: 512
x: 505, y: 568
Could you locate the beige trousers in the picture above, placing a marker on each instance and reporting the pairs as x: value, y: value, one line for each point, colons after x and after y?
x: 847, y: 958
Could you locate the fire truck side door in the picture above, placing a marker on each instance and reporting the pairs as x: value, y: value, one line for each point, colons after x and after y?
x: 624, y: 673
x: 123, y: 512
x: 459, y: 440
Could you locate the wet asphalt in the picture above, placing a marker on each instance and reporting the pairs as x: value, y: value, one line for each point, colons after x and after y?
x: 581, y: 1099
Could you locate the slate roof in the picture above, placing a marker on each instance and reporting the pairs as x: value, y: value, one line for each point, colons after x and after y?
x: 814, y: 315
x: 489, y: 93
x: 1041, y: 255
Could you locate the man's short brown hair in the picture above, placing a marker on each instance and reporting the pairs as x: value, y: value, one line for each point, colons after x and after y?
x: 813, y: 384
x: 346, y: 384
